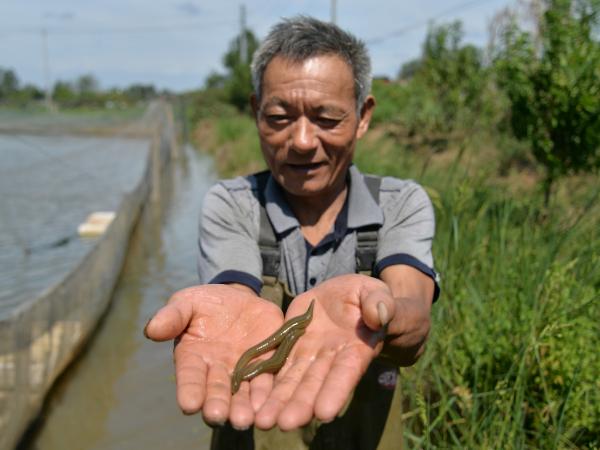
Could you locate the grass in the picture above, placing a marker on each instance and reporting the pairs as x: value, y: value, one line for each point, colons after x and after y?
x: 233, y: 142
x: 512, y: 360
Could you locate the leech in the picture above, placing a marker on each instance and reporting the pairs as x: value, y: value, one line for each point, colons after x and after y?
x: 275, y: 339
x: 275, y: 362
x: 288, y: 330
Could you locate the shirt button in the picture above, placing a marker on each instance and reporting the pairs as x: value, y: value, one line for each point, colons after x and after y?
x: 312, y: 281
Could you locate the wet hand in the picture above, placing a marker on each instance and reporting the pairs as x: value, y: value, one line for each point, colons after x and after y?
x: 212, y: 326
x: 326, y: 364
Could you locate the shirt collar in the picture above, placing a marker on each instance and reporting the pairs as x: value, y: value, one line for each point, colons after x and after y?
x: 280, y: 214
x: 362, y: 209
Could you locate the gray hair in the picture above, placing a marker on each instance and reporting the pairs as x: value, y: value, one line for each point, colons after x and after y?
x: 301, y: 38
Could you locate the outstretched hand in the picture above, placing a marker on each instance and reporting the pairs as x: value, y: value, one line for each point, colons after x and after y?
x: 327, y: 363
x: 212, y: 326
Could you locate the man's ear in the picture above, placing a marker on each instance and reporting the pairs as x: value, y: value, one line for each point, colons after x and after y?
x: 254, y: 105
x: 366, y: 112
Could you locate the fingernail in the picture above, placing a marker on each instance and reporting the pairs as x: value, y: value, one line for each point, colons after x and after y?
x: 214, y: 423
x: 146, y: 329
x: 382, y: 311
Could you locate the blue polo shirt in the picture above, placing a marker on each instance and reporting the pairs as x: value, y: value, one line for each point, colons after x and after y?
x: 229, y: 231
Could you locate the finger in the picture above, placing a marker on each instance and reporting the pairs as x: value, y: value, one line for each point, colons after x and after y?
x: 218, y: 395
x: 341, y: 380
x: 190, y: 375
x: 284, y: 385
x: 169, y: 322
x: 377, y: 308
x: 241, y: 414
x: 260, y: 388
x: 300, y: 408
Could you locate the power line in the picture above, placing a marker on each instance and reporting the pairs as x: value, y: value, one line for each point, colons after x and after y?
x: 460, y: 7
x: 194, y: 26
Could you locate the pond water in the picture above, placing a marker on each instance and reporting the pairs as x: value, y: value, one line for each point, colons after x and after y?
x: 120, y: 393
x: 48, y: 186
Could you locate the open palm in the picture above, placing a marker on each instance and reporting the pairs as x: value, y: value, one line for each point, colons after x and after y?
x: 213, y: 325
x: 328, y: 361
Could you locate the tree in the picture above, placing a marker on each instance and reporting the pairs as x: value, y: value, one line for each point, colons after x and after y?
x: 409, y: 69
x: 553, y: 84
x: 64, y: 94
x: 140, y: 92
x: 25, y: 95
x: 86, y: 84
x: 454, y: 71
x: 239, y: 79
x: 215, y: 80
x: 9, y: 83
x: 87, y: 89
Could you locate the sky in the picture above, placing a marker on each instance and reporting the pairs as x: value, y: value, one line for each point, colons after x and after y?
x: 176, y: 44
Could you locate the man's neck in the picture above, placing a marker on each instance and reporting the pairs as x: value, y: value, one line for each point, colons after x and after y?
x: 317, y: 215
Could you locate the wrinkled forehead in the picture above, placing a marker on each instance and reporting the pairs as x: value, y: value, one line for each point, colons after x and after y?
x: 328, y: 75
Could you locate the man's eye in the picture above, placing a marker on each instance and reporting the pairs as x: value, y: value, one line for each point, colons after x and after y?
x: 327, y: 122
x: 277, y: 118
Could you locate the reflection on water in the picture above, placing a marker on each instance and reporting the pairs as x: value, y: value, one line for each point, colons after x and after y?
x: 120, y: 394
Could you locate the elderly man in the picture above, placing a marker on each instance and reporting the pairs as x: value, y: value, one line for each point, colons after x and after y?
x: 310, y: 228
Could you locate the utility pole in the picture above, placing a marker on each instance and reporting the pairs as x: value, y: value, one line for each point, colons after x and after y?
x: 243, y: 40
x: 333, y: 11
x: 46, y: 65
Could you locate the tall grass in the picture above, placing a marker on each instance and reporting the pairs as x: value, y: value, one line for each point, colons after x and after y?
x: 512, y: 359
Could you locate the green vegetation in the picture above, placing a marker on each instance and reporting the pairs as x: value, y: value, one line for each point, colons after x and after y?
x: 512, y: 361
x: 233, y: 142
x: 553, y: 87
x: 12, y: 93
x: 84, y: 92
x: 236, y: 84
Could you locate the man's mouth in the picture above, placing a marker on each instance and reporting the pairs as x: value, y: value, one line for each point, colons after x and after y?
x: 305, y: 167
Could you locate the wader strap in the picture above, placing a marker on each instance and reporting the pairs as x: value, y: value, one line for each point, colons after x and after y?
x: 277, y: 292
x: 367, y: 237
x: 267, y: 241
x: 272, y: 289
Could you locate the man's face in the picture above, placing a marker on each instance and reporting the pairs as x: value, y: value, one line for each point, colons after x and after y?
x: 308, y: 124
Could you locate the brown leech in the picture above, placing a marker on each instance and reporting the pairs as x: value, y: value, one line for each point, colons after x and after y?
x: 274, y: 363
x: 286, y: 336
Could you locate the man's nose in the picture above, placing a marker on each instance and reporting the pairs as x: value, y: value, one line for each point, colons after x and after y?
x: 304, y: 137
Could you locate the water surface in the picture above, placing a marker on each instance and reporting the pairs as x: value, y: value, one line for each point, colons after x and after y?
x: 48, y: 186
x: 120, y: 394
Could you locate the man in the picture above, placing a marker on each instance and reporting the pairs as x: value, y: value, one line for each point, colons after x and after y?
x: 295, y: 234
